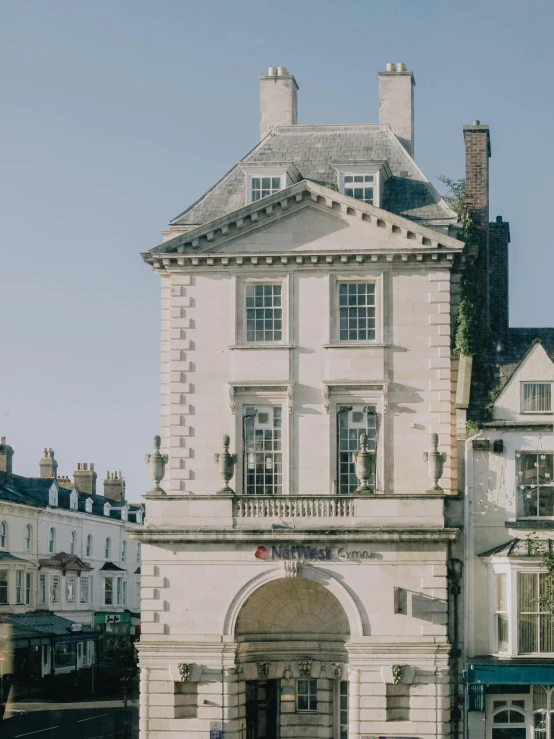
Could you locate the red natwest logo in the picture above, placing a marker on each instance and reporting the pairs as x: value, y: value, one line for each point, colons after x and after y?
x: 260, y: 553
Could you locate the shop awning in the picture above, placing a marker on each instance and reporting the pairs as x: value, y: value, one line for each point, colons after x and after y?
x: 513, y: 674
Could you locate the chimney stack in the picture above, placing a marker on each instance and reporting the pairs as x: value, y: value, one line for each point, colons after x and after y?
x: 396, y: 103
x: 85, y: 478
x: 6, y: 454
x: 114, y: 486
x: 478, y: 152
x: 48, y: 465
x: 277, y: 100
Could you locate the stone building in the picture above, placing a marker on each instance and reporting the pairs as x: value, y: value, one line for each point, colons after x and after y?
x: 308, y: 300
x: 69, y: 572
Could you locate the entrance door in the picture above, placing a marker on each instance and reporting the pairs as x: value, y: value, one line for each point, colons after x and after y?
x: 262, y: 709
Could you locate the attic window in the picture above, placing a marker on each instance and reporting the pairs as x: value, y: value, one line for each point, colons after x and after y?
x: 262, y: 187
x: 359, y: 186
x: 536, y: 397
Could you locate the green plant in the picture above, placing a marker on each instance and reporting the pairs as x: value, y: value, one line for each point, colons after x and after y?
x: 331, y: 186
x: 472, y: 427
x: 469, y: 336
x: 546, y: 590
x: 487, y: 413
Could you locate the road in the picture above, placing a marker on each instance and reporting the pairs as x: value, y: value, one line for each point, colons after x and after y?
x: 90, y: 720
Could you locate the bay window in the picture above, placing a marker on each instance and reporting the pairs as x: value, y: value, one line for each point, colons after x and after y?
x: 501, y: 612
x: 19, y: 587
x: 4, y: 588
x: 108, y: 591
x: 535, y: 621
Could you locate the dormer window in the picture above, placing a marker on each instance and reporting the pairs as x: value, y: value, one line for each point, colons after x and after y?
x: 363, y: 180
x: 263, y: 179
x: 107, y: 509
x: 359, y: 186
x: 536, y: 397
x: 88, y: 505
x: 53, y: 496
x: 73, y: 501
x: 262, y: 187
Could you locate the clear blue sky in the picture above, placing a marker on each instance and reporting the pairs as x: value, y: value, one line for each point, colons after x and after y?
x: 117, y: 115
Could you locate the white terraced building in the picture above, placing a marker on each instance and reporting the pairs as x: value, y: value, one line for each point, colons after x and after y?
x: 69, y: 572
x: 307, y: 301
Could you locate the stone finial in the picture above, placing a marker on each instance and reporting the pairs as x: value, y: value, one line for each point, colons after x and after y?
x: 435, y: 464
x: 226, y: 464
x: 364, y: 463
x: 157, y: 463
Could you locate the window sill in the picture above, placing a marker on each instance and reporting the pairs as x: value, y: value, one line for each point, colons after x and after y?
x: 535, y: 413
x: 261, y: 346
x: 355, y: 345
x: 530, y: 523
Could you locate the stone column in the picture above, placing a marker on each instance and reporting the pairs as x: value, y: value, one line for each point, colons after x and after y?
x: 353, y: 704
x: 144, y: 702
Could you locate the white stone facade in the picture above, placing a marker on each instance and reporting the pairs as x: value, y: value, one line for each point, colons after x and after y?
x: 261, y: 599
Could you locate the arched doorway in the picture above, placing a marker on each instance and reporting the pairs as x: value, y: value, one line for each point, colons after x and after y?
x: 291, y: 635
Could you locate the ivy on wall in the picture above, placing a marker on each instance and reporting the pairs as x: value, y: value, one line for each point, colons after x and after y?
x: 469, y: 336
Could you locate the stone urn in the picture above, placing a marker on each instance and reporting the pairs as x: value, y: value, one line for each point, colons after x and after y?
x: 226, y: 464
x: 364, y: 461
x: 435, y: 464
x: 156, y: 467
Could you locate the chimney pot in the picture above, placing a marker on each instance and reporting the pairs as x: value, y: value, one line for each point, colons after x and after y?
x: 278, y: 100
x: 400, y: 67
x: 499, y: 219
x: 389, y: 67
x: 476, y: 123
x: 2, y: 439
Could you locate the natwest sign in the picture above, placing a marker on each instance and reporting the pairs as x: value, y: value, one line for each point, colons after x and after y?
x: 311, y: 553
x: 294, y: 552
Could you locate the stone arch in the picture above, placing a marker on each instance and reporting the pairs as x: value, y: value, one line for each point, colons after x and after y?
x: 323, y: 578
x: 292, y: 606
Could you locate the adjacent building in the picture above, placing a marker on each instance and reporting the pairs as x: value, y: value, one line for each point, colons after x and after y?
x: 69, y: 572
x: 305, y: 583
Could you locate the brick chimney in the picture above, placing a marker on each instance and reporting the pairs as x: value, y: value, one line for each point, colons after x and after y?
x: 396, y: 103
x: 85, y: 478
x: 48, y: 464
x: 478, y: 152
x: 499, y: 238
x: 114, y: 486
x: 6, y: 454
x: 278, y: 103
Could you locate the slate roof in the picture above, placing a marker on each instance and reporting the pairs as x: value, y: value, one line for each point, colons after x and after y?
x: 46, y: 623
x: 313, y: 150
x: 111, y: 567
x: 520, y: 548
x: 65, y: 561
x: 7, y: 557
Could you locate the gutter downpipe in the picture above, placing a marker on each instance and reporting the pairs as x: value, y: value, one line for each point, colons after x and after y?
x: 468, y: 562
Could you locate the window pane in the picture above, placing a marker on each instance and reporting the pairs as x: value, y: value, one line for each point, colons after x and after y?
x: 535, y: 486
x: 537, y: 397
x: 351, y: 425
x: 263, y: 313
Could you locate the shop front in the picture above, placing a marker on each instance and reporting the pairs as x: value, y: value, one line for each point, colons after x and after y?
x: 512, y: 700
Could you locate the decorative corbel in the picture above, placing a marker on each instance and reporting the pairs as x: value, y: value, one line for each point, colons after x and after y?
x: 232, y: 401
x: 326, y: 398
x: 292, y: 567
x: 305, y: 668
x: 290, y: 398
x: 263, y: 670
x: 184, y: 671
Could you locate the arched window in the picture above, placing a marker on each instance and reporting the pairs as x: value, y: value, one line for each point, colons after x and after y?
x: 138, y: 552
x: 72, y: 542
x: 108, y: 548
x: 52, y: 540
x: 3, y: 535
x: 508, y: 721
x: 124, y: 551
x: 89, y: 545
x: 28, y: 534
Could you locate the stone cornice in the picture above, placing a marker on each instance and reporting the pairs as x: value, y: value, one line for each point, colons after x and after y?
x: 199, y: 247
x: 225, y: 536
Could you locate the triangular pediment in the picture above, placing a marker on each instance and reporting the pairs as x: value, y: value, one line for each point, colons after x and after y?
x: 307, y: 217
x: 535, y: 367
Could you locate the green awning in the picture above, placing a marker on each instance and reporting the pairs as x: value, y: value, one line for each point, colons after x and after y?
x: 520, y: 674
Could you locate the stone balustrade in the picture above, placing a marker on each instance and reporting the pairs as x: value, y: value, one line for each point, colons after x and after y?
x: 289, y: 506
